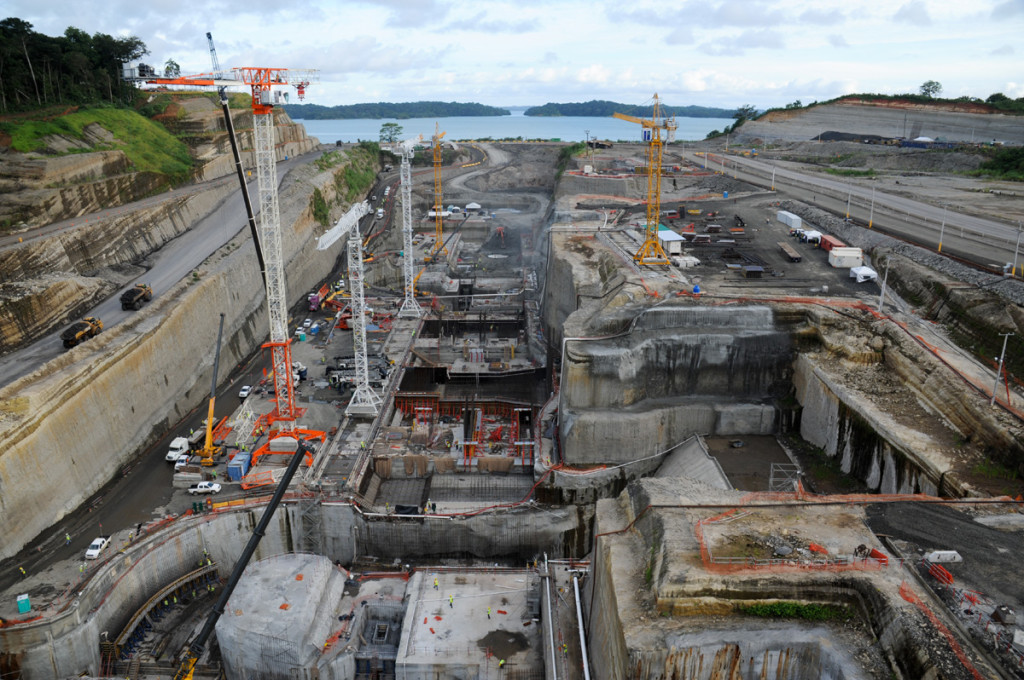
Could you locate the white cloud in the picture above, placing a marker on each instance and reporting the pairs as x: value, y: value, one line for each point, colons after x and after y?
x: 915, y: 12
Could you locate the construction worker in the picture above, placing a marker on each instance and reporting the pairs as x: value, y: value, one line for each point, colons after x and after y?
x: 22, y: 570
x: 451, y: 602
x: 501, y: 663
x: 488, y: 612
x: 435, y: 583
x: 67, y: 539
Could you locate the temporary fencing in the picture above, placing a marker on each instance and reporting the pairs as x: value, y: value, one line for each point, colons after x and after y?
x: 907, y: 594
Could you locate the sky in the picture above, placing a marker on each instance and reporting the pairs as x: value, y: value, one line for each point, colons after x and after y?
x: 723, y: 53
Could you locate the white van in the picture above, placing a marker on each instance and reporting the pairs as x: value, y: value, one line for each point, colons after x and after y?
x: 387, y: 192
x: 380, y: 213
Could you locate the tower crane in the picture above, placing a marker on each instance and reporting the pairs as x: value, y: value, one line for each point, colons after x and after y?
x: 651, y: 252
x: 262, y: 82
x: 410, y: 308
x: 438, y: 248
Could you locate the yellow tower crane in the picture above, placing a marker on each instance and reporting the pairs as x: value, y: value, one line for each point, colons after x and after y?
x: 439, y: 248
x: 651, y: 252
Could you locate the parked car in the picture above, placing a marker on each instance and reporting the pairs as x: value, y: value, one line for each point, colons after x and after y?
x: 307, y: 323
x: 245, y: 391
x: 204, y: 487
x: 181, y: 462
x: 98, y: 545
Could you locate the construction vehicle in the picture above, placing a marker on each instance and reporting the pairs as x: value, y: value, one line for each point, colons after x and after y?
x: 209, y: 449
x: 134, y: 297
x: 80, y: 331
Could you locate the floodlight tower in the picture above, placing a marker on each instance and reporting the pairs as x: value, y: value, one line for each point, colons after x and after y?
x: 439, y: 248
x: 410, y: 308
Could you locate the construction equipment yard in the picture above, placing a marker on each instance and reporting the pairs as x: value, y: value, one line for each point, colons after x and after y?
x: 565, y: 442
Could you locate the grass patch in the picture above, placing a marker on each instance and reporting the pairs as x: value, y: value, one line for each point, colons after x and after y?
x: 566, y: 154
x: 993, y: 470
x: 319, y: 207
x: 850, y: 172
x: 798, y: 610
x: 148, y: 146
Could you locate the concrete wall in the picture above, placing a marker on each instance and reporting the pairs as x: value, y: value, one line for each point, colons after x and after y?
x: 73, y: 423
x: 67, y: 644
x: 869, y: 447
x: 607, y: 644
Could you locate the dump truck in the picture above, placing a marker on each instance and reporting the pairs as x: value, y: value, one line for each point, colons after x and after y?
x: 80, y: 331
x: 134, y: 297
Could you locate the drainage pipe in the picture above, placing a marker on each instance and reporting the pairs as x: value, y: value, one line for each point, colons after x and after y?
x: 551, y: 631
x: 579, y: 625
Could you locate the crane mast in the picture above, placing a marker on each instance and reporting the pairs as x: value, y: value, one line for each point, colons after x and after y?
x: 439, y: 248
x: 364, y: 401
x: 650, y: 251
x: 410, y: 308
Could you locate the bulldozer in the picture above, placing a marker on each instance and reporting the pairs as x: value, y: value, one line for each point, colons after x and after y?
x: 81, y: 331
x: 134, y: 297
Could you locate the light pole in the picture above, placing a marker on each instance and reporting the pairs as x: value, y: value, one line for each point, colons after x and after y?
x: 589, y: 157
x: 999, y: 368
x: 885, y: 279
x: 1016, y: 249
x: 942, y: 228
x: 849, y: 195
x: 773, y: 178
x: 871, y: 213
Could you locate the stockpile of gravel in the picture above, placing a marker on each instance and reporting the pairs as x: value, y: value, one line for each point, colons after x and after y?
x: 868, y: 241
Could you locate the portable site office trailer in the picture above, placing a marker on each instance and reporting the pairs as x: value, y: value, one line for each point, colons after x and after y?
x: 843, y: 258
x: 671, y: 242
x: 789, y: 219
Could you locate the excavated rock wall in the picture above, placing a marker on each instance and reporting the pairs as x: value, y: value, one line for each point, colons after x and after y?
x: 679, y: 371
x: 68, y: 427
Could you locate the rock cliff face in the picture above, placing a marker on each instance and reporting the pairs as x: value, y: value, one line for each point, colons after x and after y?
x: 90, y: 411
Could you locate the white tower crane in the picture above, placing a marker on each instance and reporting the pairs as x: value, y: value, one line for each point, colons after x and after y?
x: 410, y: 308
x: 364, y: 402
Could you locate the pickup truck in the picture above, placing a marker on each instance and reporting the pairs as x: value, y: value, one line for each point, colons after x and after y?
x: 98, y: 545
x: 204, y: 487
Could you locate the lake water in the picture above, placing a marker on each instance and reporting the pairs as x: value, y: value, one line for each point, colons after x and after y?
x: 566, y: 128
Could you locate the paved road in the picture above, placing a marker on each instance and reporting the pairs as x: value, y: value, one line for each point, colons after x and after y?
x: 985, y: 242
x: 169, y: 264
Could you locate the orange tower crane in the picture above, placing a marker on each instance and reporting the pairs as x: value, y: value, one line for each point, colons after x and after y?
x: 439, y: 248
x: 651, y: 252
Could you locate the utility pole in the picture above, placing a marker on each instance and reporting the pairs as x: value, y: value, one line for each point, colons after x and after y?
x: 773, y: 178
x: 1016, y: 250
x: 871, y: 213
x: 999, y: 368
x: 849, y: 195
x: 885, y: 279
x: 942, y: 229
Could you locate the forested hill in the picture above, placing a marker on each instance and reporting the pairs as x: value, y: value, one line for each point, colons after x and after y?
x: 400, y: 111
x: 602, y: 109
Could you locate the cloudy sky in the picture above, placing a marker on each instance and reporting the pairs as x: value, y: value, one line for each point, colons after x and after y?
x: 523, y: 52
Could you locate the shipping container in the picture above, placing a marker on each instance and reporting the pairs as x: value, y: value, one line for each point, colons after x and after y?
x: 829, y: 242
x: 238, y: 466
x: 844, y: 258
x: 789, y: 219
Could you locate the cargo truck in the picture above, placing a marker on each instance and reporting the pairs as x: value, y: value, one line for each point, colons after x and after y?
x: 134, y: 297
x: 80, y: 331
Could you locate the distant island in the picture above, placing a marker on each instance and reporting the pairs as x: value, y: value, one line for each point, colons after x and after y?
x: 600, y: 108
x: 400, y: 111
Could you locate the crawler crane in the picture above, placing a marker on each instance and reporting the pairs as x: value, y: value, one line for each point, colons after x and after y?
x: 651, y: 252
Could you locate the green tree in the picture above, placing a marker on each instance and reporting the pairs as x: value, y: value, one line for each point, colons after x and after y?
x: 997, y: 98
x: 171, y: 69
x: 390, y: 133
x: 745, y: 112
x: 931, y: 88
x: 794, y: 105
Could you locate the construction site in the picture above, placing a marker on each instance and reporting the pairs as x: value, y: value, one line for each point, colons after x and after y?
x: 631, y: 420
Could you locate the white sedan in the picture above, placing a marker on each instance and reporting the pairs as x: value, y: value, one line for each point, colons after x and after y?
x: 96, y: 547
x: 245, y: 391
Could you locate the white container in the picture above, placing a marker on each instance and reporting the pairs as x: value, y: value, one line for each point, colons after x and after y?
x: 844, y: 258
x: 939, y: 556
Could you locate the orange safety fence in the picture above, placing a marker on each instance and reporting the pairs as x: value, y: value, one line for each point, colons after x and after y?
x: 907, y: 594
